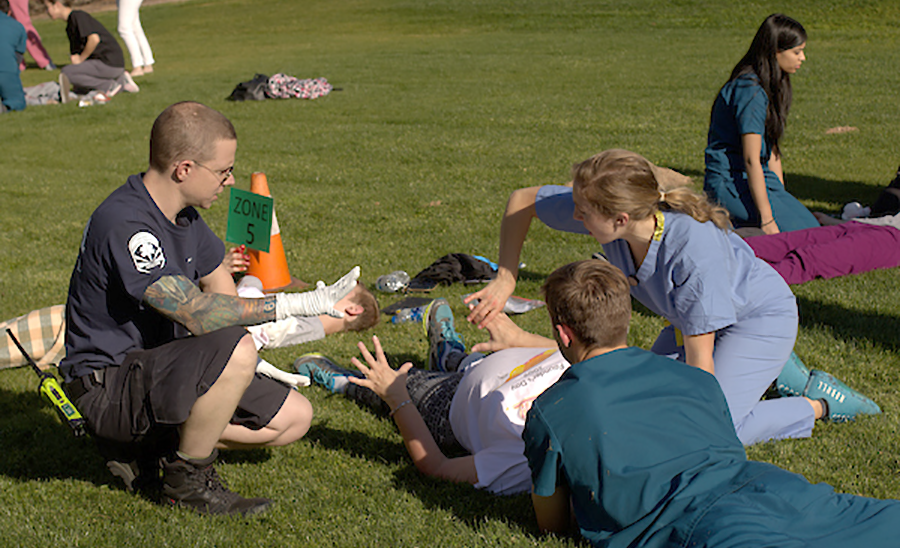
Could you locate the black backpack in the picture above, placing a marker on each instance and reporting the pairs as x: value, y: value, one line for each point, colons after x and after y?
x: 251, y: 90
x: 888, y: 203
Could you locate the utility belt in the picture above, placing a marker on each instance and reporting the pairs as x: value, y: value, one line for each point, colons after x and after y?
x: 84, y: 384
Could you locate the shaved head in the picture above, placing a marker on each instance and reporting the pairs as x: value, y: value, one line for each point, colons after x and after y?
x: 187, y: 131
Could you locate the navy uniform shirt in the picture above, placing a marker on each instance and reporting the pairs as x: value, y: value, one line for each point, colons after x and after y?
x: 129, y: 244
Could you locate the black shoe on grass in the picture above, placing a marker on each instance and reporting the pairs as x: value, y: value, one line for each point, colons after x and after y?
x: 195, y: 484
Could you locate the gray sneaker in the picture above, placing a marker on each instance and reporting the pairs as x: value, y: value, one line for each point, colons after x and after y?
x: 446, y: 348
x: 323, y: 371
x: 195, y: 484
x: 128, y: 83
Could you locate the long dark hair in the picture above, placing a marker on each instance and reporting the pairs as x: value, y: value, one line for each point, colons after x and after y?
x: 777, y: 33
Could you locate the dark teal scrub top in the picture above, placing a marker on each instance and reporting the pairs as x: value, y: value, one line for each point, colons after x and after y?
x: 739, y: 109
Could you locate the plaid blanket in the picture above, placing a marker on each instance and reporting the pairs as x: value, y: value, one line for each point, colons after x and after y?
x: 42, y: 334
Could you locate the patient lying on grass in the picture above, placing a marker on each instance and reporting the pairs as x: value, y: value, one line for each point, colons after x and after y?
x: 462, y: 400
x: 42, y: 331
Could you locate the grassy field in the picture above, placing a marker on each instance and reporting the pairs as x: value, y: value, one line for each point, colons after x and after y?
x: 445, y: 107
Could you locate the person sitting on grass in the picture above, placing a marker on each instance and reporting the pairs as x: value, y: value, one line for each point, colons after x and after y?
x: 158, y: 402
x: 621, y: 447
x: 12, y: 48
x: 463, y: 400
x: 97, y: 60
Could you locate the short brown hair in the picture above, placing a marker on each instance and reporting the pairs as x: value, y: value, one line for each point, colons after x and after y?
x: 370, y: 314
x: 187, y: 131
x: 591, y: 298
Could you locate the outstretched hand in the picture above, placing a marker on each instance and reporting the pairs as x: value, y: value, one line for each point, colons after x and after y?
x: 491, y: 299
x: 504, y: 334
x: 389, y: 384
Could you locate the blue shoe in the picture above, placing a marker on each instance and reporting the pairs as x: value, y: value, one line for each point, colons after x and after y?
x: 844, y: 403
x: 443, y: 340
x: 793, y: 378
x: 323, y: 372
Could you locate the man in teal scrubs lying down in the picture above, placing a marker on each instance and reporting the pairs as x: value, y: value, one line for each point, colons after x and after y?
x: 624, y: 442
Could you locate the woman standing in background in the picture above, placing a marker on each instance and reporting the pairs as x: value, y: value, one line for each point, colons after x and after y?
x: 133, y: 35
x: 19, y: 11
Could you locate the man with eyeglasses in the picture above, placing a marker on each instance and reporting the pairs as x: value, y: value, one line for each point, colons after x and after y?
x: 149, y: 274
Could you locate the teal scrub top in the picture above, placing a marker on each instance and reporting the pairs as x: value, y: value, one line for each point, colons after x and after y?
x: 12, y: 42
x: 740, y: 108
x: 650, y: 464
x: 644, y: 451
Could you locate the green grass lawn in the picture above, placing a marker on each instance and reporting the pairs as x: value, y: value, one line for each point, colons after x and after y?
x: 445, y: 107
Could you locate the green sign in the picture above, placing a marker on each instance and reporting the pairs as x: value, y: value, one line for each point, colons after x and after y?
x: 250, y: 219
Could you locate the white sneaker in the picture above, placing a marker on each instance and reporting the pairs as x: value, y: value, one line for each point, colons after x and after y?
x: 112, y: 93
x: 129, y: 85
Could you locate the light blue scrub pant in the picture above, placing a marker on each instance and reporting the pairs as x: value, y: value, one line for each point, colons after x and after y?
x: 748, y: 356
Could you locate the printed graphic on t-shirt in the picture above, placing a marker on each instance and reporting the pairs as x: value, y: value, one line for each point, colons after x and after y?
x: 146, y: 252
x: 531, y: 363
x: 520, y: 394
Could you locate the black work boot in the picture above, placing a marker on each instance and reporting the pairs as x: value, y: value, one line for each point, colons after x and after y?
x: 135, y: 464
x: 196, y: 484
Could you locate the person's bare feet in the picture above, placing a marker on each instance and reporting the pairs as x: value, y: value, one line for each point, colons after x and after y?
x: 148, y: 69
x: 137, y: 71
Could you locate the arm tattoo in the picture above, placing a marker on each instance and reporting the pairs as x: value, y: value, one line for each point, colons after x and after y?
x: 178, y: 299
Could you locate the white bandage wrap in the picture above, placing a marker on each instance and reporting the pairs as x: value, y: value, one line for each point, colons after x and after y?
x: 291, y: 379
x: 319, y: 301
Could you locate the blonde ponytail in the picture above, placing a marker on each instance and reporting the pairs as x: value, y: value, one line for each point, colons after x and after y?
x: 619, y: 181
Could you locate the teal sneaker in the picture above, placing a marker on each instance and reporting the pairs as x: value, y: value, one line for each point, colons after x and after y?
x: 844, y: 403
x: 323, y: 372
x: 793, y: 378
x: 445, y: 346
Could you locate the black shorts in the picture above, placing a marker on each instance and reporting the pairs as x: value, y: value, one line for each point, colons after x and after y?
x: 158, y: 388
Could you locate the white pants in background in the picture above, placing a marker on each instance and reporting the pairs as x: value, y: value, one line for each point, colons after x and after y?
x: 133, y: 34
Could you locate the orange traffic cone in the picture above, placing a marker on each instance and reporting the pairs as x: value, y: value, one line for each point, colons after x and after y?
x: 271, y: 268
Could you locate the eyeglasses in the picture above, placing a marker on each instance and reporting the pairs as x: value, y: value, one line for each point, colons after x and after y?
x: 224, y: 174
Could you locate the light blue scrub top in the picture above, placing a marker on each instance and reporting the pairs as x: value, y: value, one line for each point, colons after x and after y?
x: 696, y: 275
